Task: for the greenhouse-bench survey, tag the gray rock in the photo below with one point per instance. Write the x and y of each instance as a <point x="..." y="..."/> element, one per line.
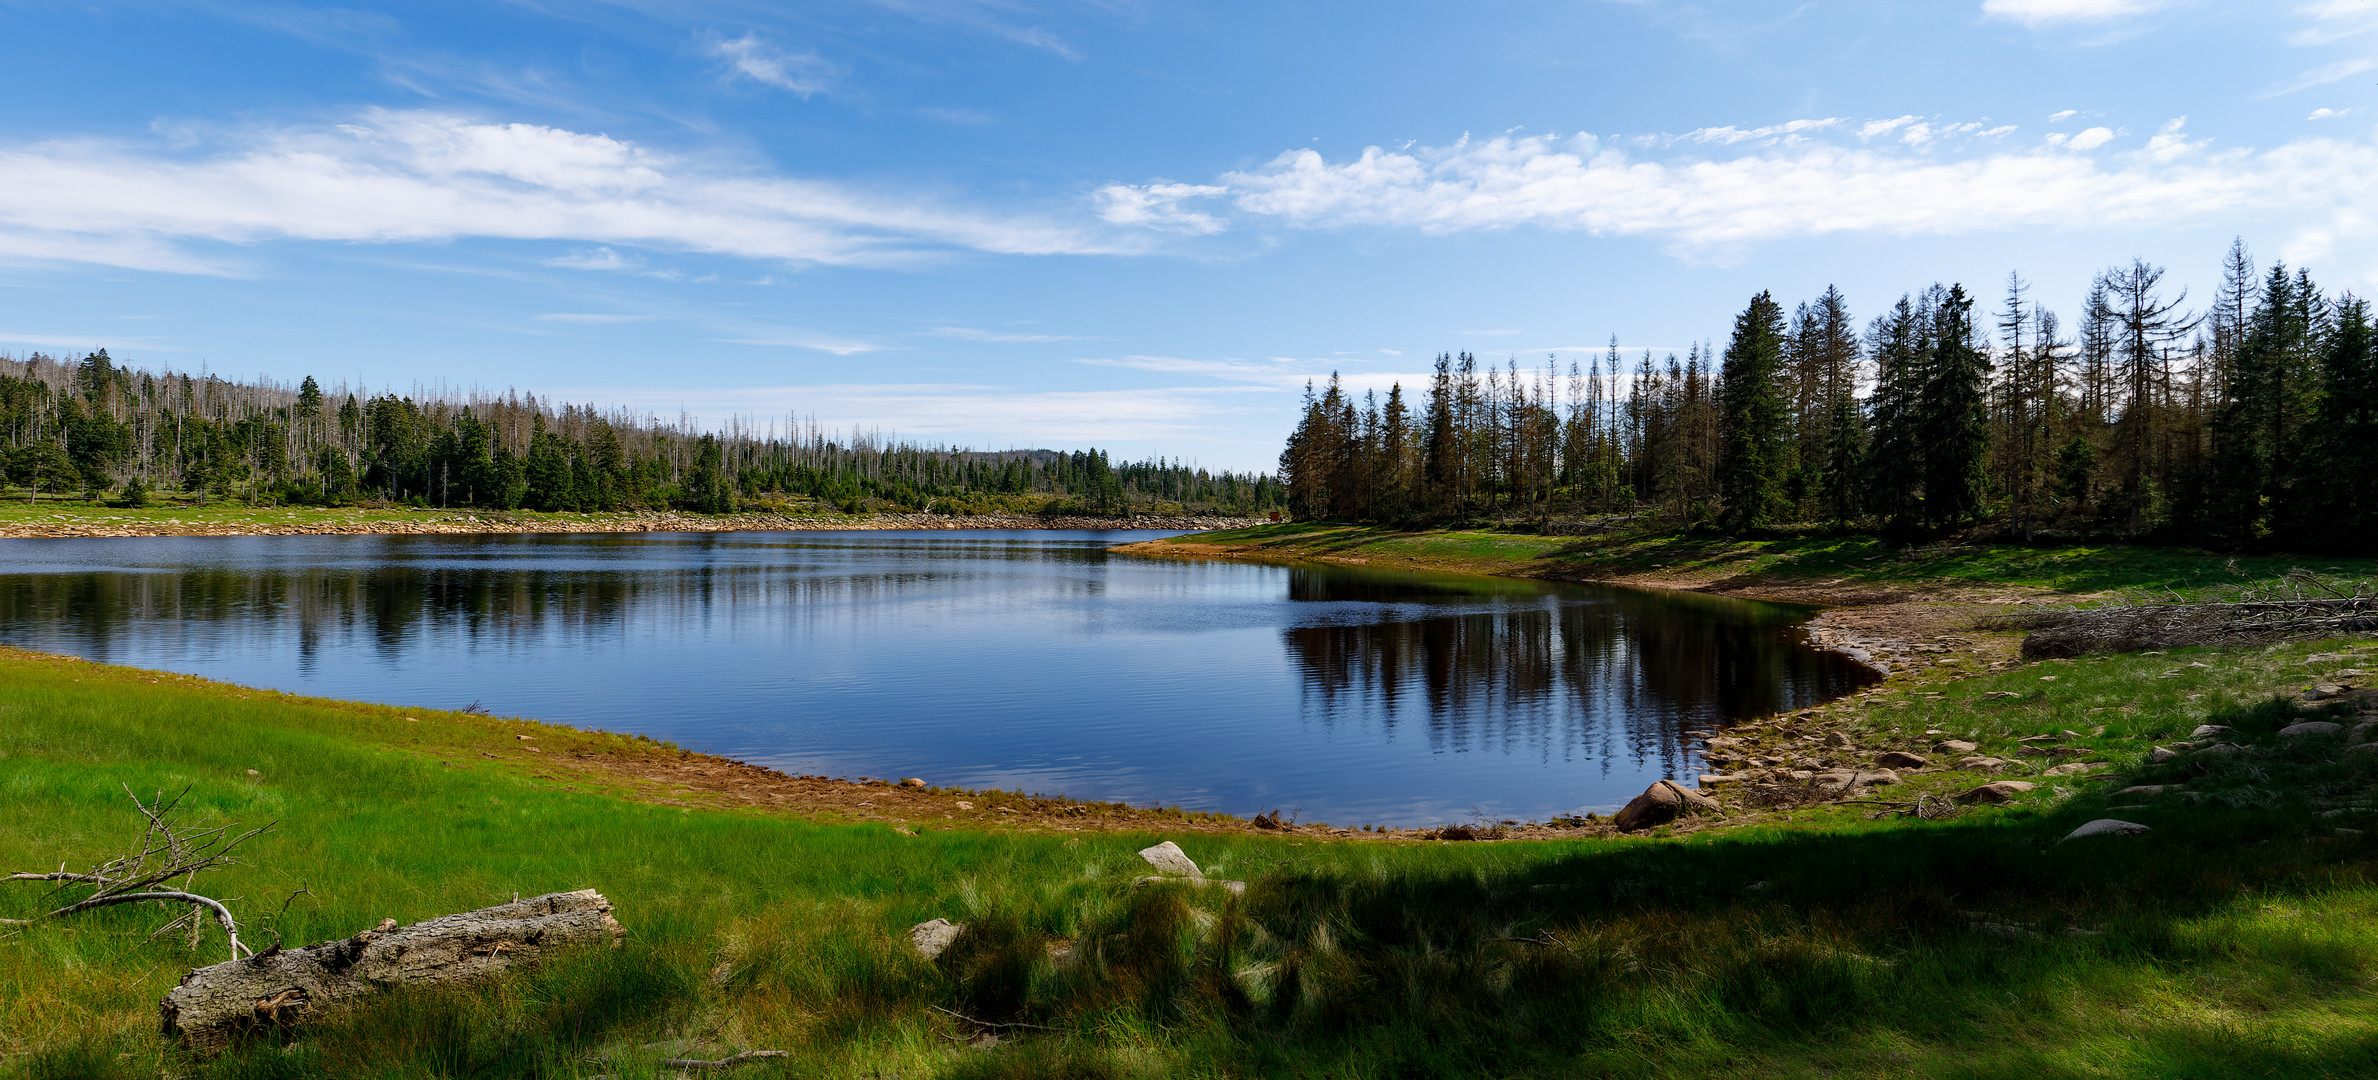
<point x="2219" y="750"/>
<point x="1986" y="763"/>
<point x="2324" y="691"/>
<point x="2160" y="755"/>
<point x="913" y="782"/>
<point x="2106" y="827"/>
<point x="1660" y="804"/>
<point x="1168" y="858"/>
<point x="2207" y="731"/>
<point x="1996" y="791"/>
<point x="933" y="936"/>
<point x="1956" y="746"/>
<point x="2311" y="728"/>
<point x="2074" y="769"/>
<point x="2363" y="732"/>
<point x="2147" y="789"/>
<point x="1898" y="760"/>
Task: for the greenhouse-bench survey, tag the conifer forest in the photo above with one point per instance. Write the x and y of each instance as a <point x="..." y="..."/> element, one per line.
<point x="2247" y="422"/>
<point x="97" y="429"/>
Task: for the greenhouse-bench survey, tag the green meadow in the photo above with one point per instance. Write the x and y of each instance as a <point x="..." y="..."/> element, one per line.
<point x="2239" y="937"/>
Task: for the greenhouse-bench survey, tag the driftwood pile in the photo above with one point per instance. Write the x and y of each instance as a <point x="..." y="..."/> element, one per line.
<point x="2092" y="631"/>
<point x="276" y="988"/>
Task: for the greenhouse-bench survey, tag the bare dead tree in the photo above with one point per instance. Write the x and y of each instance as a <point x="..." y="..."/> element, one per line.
<point x="170" y="847"/>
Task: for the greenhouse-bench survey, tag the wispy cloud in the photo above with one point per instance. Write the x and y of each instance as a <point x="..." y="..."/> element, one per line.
<point x="407" y="176"/>
<point x="979" y="415"/>
<point x="592" y="319"/>
<point x="1159" y="206"/>
<point x="797" y="339"/>
<point x="2322" y="76"/>
<point x="2040" y="12"/>
<point x="601" y="258"/>
<point x="968" y="333"/>
<point x="802" y="73"/>
<point x="1703" y="203"/>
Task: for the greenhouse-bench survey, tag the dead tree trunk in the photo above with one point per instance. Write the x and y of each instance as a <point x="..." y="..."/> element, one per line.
<point x="277" y="988"/>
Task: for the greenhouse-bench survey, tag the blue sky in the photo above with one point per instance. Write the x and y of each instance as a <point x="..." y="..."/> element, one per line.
<point x="1136" y="224"/>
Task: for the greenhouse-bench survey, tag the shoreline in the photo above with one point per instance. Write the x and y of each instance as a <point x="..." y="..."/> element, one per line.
<point x="309" y="521"/>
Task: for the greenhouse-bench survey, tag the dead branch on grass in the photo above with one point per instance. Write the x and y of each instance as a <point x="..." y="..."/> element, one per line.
<point x="169" y="847"/>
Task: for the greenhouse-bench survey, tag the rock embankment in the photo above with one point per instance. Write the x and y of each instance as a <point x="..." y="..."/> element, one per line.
<point x="465" y="523"/>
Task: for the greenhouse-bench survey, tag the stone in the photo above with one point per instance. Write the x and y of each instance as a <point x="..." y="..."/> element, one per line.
<point x="2035" y="751"/>
<point x="2219" y="750"/>
<point x="2207" y="731"/>
<point x="1996" y="791"/>
<point x="2028" y="739"/>
<point x="2363" y="732"/>
<point x="2160" y="755"/>
<point x="1899" y="760"/>
<point x="1168" y="857"/>
<point x="2311" y="729"/>
<point x="1660" y="804"/>
<point x="2075" y="769"/>
<point x="913" y="782"/>
<point x="1990" y="763"/>
<point x="1956" y="746"/>
<point x="934" y="936"/>
<point x="2149" y="790"/>
<point x="1836" y="739"/>
<point x="2368" y="749"/>
<point x="2106" y="827"/>
<point x="1714" y="779"/>
<point x="2324" y="691"/>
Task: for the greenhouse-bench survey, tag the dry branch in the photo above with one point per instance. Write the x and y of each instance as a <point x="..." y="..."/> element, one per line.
<point x="168" y="847"/>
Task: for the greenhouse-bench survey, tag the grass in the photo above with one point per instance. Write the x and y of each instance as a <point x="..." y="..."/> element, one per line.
<point x="2237" y="938"/>
<point x="2139" y="570"/>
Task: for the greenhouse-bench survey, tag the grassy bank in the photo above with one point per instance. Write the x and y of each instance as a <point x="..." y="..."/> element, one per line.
<point x="2237" y="938"/>
<point x="1845" y="562"/>
<point x="56" y="518"/>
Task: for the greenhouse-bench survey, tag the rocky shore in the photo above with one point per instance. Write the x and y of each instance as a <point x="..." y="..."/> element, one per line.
<point x="312" y="522"/>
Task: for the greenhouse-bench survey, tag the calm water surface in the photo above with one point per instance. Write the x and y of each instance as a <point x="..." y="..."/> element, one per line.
<point x="1033" y="661"/>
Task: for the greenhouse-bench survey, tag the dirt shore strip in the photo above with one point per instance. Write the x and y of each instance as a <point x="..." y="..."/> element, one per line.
<point x="466" y="523"/>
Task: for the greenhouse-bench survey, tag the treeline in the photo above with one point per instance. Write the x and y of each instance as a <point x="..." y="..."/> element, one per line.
<point x="101" y="430"/>
<point x="2251" y="423"/>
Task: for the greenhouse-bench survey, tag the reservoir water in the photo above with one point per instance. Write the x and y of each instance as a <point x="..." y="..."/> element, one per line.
<point x="1032" y="661"/>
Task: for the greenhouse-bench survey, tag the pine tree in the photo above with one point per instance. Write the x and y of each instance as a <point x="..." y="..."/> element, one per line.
<point x="1754" y="429"/>
<point x="1895" y="458"/>
<point x="2341" y="488"/>
<point x="1955" y="410"/>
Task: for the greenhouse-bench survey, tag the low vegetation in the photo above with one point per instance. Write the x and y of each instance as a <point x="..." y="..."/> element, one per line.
<point x="2235" y="938"/>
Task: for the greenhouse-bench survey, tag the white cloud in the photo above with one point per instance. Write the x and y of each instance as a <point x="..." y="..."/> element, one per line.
<point x="2063" y="115"/>
<point x="2332" y="21"/>
<point x="2322" y="76"/>
<point x="601" y="258"/>
<point x="1729" y="134"/>
<point x="1806" y="189"/>
<point x="2328" y="114"/>
<point x="2092" y="138"/>
<point x="1158" y="206"/>
<point x="2040" y="12"/>
<point x="801" y="73"/>
<point x="395" y="177"/>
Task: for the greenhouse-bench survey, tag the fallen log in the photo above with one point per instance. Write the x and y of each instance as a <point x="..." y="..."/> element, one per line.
<point x="277" y="988"/>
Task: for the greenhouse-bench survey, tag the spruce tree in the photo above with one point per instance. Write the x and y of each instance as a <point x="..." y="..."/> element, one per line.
<point x="1955" y="409"/>
<point x="1755" y="418"/>
<point x="2341" y="488"/>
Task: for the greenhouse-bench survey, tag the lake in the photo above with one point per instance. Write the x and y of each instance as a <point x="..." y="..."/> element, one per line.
<point x="1031" y="661"/>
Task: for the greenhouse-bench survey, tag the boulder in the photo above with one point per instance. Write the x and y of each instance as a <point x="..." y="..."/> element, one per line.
<point x="2149" y="790"/>
<point x="2106" y="827"/>
<point x="1168" y="858"/>
<point x="1899" y="760"/>
<point x="2074" y="769"/>
<point x="2207" y="731"/>
<point x="933" y="936"/>
<point x="1660" y="804"/>
<point x="2311" y="729"/>
<point x="1996" y="791"/>
<point x="2363" y="732"/>
<point x="1991" y="764"/>
<point x="2368" y="749"/>
<point x="1956" y="746"/>
<point x="2219" y="750"/>
<point x="2160" y="755"/>
<point x="913" y="782"/>
<point x="2324" y="691"/>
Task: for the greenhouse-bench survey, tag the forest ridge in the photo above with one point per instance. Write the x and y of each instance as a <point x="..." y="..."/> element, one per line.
<point x="2250" y="423"/>
<point x="93" y="427"/>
